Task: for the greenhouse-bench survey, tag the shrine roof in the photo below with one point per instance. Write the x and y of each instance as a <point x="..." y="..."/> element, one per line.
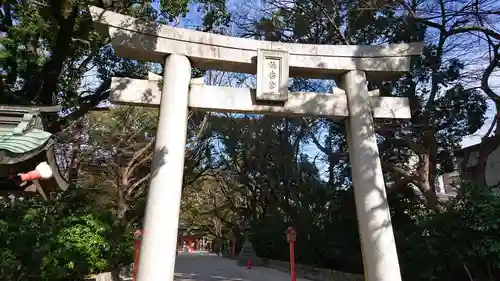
<point x="23" y="145"/>
<point x="21" y="132"/>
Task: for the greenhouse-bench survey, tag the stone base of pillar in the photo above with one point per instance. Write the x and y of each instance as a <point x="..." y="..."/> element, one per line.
<point x="248" y="253"/>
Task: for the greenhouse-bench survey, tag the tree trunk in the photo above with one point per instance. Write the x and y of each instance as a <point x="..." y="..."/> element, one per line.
<point x="423" y="184"/>
<point x="75" y="153"/>
<point x="121" y="209"/>
<point x="121" y="202"/>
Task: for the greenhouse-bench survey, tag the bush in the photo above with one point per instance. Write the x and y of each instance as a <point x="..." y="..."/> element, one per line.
<point x="462" y="243"/>
<point x="63" y="240"/>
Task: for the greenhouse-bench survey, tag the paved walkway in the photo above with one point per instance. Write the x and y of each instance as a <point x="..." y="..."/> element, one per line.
<point x="207" y="267"/>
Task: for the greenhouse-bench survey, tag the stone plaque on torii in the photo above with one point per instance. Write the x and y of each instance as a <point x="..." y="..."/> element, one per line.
<point x="273" y="62"/>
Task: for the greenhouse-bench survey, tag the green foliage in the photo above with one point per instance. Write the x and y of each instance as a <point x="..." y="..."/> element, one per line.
<point x="445" y="246"/>
<point x="57" y="240"/>
<point x="327" y="234"/>
<point x="80" y="247"/>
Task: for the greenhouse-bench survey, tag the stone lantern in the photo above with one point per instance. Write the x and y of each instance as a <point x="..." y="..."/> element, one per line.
<point x="247" y="252"/>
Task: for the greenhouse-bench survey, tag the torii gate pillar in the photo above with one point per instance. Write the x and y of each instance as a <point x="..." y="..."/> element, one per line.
<point x="380" y="258"/>
<point x="159" y="245"/>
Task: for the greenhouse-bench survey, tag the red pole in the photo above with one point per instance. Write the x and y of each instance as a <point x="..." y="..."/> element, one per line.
<point x="234" y="248"/>
<point x="136" y="259"/>
<point x="137" y="236"/>
<point x="292" y="261"/>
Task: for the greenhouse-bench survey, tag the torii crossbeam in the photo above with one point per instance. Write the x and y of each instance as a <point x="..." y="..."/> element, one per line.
<point x="273" y="62"/>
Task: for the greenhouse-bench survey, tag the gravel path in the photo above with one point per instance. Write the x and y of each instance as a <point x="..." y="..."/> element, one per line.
<point x="208" y="267"/>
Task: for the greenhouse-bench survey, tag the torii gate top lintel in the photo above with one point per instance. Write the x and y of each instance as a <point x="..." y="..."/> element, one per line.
<point x="274" y="63"/>
<point x="136" y="39"/>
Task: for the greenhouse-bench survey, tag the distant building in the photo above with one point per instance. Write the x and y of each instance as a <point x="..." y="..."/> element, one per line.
<point x="492" y="173"/>
<point x="447" y="185"/>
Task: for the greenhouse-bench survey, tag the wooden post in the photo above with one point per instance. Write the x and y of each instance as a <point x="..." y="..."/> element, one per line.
<point x="291" y="237"/>
<point x="233" y="240"/>
<point x="292" y="261"/>
<point x="234" y="248"/>
<point x="137" y="236"/>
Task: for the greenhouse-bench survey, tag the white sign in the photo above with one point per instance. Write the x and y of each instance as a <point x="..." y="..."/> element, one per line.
<point x="272" y="75"/>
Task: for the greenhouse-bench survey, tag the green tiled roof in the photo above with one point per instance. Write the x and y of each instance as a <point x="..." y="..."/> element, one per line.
<point x="19" y="144"/>
<point x="21" y="133"/>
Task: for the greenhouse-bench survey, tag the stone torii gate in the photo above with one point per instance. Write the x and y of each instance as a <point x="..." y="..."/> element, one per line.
<point x="274" y="62"/>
